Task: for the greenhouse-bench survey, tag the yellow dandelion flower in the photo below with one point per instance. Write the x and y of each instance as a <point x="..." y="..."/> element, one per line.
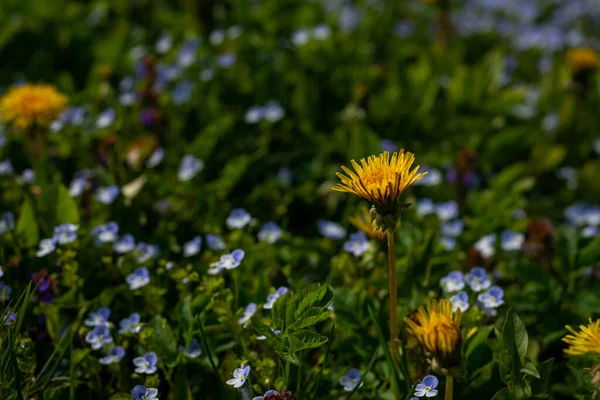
<point x="585" y="341"/>
<point x="363" y="222"/>
<point x="31" y="104"/>
<point x="583" y="60"/>
<point x="436" y="328"/>
<point x="379" y="179"/>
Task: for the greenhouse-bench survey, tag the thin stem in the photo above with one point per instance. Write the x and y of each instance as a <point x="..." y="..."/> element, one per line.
<point x="393" y="295"/>
<point x="449" y="387"/>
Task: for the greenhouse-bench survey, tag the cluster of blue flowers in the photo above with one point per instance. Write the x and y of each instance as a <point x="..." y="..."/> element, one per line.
<point x="271" y="112"/>
<point x="584" y="216"/>
<point x="477" y="279"/>
<point x="63" y="234"/>
<point x="447" y="212"/>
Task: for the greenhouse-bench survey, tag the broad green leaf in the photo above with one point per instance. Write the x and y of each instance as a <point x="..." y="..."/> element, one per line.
<point x="305" y="339"/>
<point x="163" y="337"/>
<point x="529" y="369"/>
<point x="479" y="337"/>
<point x="540" y="387"/>
<point x="27" y="227"/>
<point x="514" y="335"/>
<point x="308" y="306"/>
<point x="66" y="207"/>
<point x="502" y="394"/>
<point x="309" y="318"/>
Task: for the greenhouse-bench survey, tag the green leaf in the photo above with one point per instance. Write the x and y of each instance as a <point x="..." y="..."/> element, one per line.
<point x="502" y="394"/>
<point x="27" y="227"/>
<point x="66" y="207"/>
<point x="57" y="393"/>
<point x="163" y="337"/>
<point x="540" y="388"/>
<point x="308" y="306"/>
<point x="182" y="387"/>
<point x="309" y="318"/>
<point x="514" y="335"/>
<point x="305" y="339"/>
<point x="278" y="312"/>
<point x="478" y="338"/>
<point x="529" y="369"/>
<point x="121" y="396"/>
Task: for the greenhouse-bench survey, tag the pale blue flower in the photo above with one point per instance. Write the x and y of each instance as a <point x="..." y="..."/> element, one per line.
<point x="130" y="324"/>
<point x="6" y="168"/>
<point x="590" y="231"/>
<point x="452" y="228"/>
<point x="98" y="318"/>
<point x="301" y="36"/>
<point x="7" y="223"/>
<point x="273" y="112"/>
<point x="105" y="119"/>
<point x="155" y="158"/>
<point x="215" y="242"/>
<point x="493" y="298"/>
<point x="550" y="122"/>
<point x="453" y="282"/>
<point x="47" y="246"/>
<point x="228" y="261"/>
<point x="126" y="244"/>
<point x="107" y="194"/>
<point x="321" y="32"/>
<point x="234" y="32"/>
<point x="272" y="298"/>
<point x="263" y="337"/>
<point x="433" y="177"/>
<point x="187" y="54"/>
<point x="449" y="243"/>
<point x="238" y="218"/>
<point x="138" y="278"/>
<point x="330" y="229"/>
<point x="27" y="177"/>
<point x="254" y="115"/>
<point x="65" y="233"/>
<point x="268" y="393"/>
<point x="512" y="240"/>
<point x="404" y="28"/>
<point x="358" y="244"/>
<point x="115" y="354"/>
<point x="248" y="313"/>
<point x="140" y="392"/>
<point x="350" y="380"/>
<point x="164" y="43"/>
<point x="350" y="18"/>
<point x="477" y="279"/>
<point x="425" y="206"/>
<point x="9" y="318"/>
<point x="427" y="388"/>
<point x="580" y="214"/>
<point x="106" y="233"/>
<point x="447" y="211"/>
<point x="189" y="167"/>
<point x="77" y="186"/>
<point x="182" y="92"/>
<point x="239" y="376"/>
<point x="389" y="146"/>
<point x="145" y="252"/>
<point x="146" y="364"/>
<point x="270" y="233"/>
<point x="207" y="74"/>
<point x="98" y="337"/>
<point x="192" y="247"/>
<point x="194" y="350"/>
<point x="216" y="37"/>
<point x="5" y="292"/>
<point x="486" y="245"/>
<point x="226" y="60"/>
<point x="460" y="301"/>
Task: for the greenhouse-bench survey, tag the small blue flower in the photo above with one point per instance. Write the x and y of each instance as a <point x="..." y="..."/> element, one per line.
<point x="238" y="218"/>
<point x="47" y="246"/>
<point x="321" y="32"/>
<point x="9" y="318"/>
<point x="254" y="114"/>
<point x="107" y="194"/>
<point x="581" y="214"/>
<point x="207" y="74"/>
<point x="130" y="324"/>
<point x="192" y="247"/>
<point x="140" y="392"/>
<point x="138" y="278"/>
<point x="263" y="337"/>
<point x="145" y="252"/>
<point x="239" y="376"/>
<point x="389" y="146"/>
<point x="65" y="233"/>
<point x="301" y="36"/>
<point x="98" y="337"/>
<point x="7" y="223"/>
<point x="486" y="245"/>
<point x="215" y="242"/>
<point x="590" y="231"/>
<point x="358" y="244"/>
<point x="493" y="298"/>
<point x="453" y="282"/>
<point x="270" y="233"/>
<point x="269" y="393"/>
<point x="477" y="279"/>
<point x="105" y="118"/>
<point x="27" y="177"/>
<point x="164" y="43"/>
<point x="2" y="140"/>
<point x="182" y="92"/>
<point x="449" y="243"/>
<point x="274" y="296"/>
<point x="115" y="354"/>
<point x="433" y="177"/>
<point x="228" y="261"/>
<point x="350" y="380"/>
<point x="273" y="112"/>
<point x="425" y="206"/>
<point x="187" y="54"/>
<point x="106" y="233"/>
<point x="189" y="167"/>
<point x="427" y="388"/>
<point x="330" y="229"/>
<point x="5" y="291"/>
<point x="6" y="168"/>
<point x="77" y="186"/>
<point x="460" y="301"/>
<point x="511" y="240"/>
<point x="126" y="244"/>
<point x="99" y="317"/>
<point x="226" y="60"/>
<point x="447" y="211"/>
<point x="248" y="313"/>
<point x="453" y="228"/>
<point x="285" y="176"/>
<point x="216" y="37"/>
<point x="146" y="364"/>
<point x="194" y="350"/>
<point x="155" y="158"/>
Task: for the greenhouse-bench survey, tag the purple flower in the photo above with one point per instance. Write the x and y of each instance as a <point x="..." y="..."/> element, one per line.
<point x="65" y="233"/>
<point x="7" y="223"/>
<point x="155" y="158"/>
<point x="145" y="252"/>
<point x="512" y="240"/>
<point x="453" y="282"/>
<point x="6" y="168"/>
<point x="47" y="246"/>
<point x="477" y="279"/>
<point x="226" y="60"/>
<point x="130" y="324"/>
<point x="105" y="118"/>
<point x="460" y="301"/>
<point x="427" y="388"/>
<point x="228" y="261"/>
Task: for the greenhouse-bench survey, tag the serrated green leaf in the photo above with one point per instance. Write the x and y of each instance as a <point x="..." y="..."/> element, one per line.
<point x="309" y="318"/>
<point x="305" y="339"/>
<point x="27" y="227"/>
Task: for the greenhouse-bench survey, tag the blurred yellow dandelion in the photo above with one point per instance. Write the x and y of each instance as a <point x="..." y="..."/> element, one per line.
<point x="31" y="104"/>
<point x="363" y="222"/>
<point x="436" y="328"/>
<point x="583" y="60"/>
<point x="585" y="341"/>
<point x="380" y="179"/>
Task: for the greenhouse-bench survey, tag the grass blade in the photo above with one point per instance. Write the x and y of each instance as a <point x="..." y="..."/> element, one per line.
<point x="210" y="359"/>
<point x="13" y="361"/>
<point x="362" y="376"/>
<point x="312" y="396"/>
<point x="386" y="350"/>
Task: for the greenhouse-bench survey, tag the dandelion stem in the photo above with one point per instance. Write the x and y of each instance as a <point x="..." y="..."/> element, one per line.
<point x="449" y="387"/>
<point x="393" y="295"/>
